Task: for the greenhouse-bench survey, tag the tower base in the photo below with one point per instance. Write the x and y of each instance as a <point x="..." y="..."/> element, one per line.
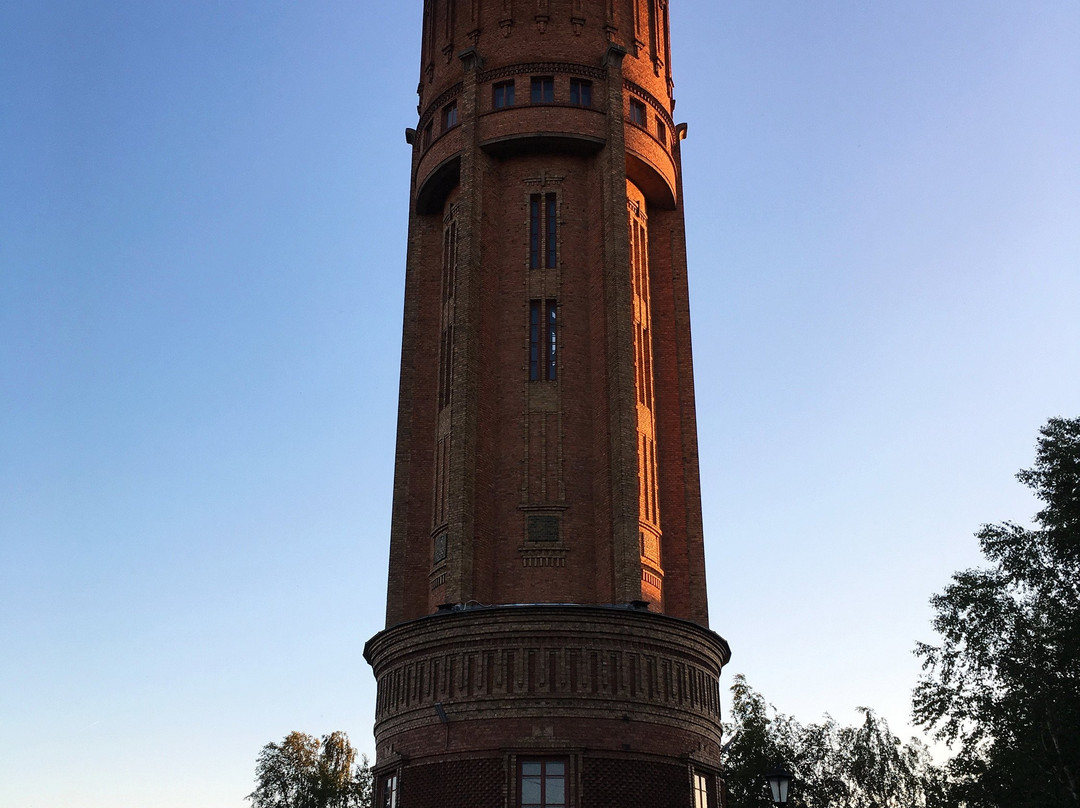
<point x="558" y="705"/>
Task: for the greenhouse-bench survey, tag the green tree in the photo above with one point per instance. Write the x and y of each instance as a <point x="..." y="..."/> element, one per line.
<point x="834" y="766"/>
<point x="307" y="772"/>
<point x="1004" y="682"/>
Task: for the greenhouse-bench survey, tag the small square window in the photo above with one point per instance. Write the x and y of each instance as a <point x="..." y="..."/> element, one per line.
<point x="581" y="92"/>
<point x="637" y="112"/>
<point x="543" y="90"/>
<point x="450" y="116"/>
<point x="502" y="95"/>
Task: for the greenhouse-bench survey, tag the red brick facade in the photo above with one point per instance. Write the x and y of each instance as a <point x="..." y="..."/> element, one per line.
<point x="546" y="447"/>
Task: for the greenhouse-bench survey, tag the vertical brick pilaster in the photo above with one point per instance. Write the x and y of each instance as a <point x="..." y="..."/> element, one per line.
<point x="620" y="345"/>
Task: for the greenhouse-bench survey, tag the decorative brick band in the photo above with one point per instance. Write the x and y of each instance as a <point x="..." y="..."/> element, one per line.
<point x="541" y="68"/>
<point x="562" y="662"/>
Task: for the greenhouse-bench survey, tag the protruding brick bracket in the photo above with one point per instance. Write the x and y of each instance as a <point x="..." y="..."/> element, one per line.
<point x="410" y="136"/>
<point x="613" y="55"/>
<point x="682" y="129"/>
<point x="471" y="60"/>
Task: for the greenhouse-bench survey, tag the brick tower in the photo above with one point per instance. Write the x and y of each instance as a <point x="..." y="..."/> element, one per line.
<point x="547" y="641"/>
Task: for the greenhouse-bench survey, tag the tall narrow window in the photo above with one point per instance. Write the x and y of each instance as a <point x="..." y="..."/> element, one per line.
<point x="637" y="112"/>
<point x="701" y="791"/>
<point x="450" y="116"/>
<point x="581" y="92"/>
<point x="543" y="340"/>
<point x="661" y="131"/>
<point x="388" y="798"/>
<point x="543" y="231"/>
<point x="543" y="89"/>
<point x="542" y="783"/>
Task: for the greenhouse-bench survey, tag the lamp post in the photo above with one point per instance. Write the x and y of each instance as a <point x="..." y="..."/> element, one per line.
<point x="779" y="783"/>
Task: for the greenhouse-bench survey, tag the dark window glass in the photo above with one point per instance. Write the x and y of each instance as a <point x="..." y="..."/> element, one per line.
<point x="543" y="231"/>
<point x="551" y="342"/>
<point x="637" y="112"/>
<point x="427" y="135"/>
<point x="502" y="95"/>
<point x="661" y="131"/>
<point x="543" y="340"/>
<point x="439" y="550"/>
<point x="543" y="89"/>
<point x="450" y="117"/>
<point x="581" y="92"/>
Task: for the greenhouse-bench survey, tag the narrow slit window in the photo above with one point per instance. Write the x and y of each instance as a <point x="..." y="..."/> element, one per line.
<point x="543" y="340"/>
<point x="543" y="231"/>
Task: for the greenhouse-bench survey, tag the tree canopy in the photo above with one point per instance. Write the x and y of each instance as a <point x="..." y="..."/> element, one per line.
<point x="834" y="766"/>
<point x="307" y="772"/>
<point x="1003" y="683"/>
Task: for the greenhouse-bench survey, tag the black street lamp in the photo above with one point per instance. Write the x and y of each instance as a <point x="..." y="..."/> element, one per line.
<point x="779" y="783"/>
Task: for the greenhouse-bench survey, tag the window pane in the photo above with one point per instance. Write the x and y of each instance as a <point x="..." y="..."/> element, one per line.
<point x="531" y="768"/>
<point x="556" y="793"/>
<point x="556" y="768"/>
<point x="530" y="791"/>
<point x="551" y="337"/>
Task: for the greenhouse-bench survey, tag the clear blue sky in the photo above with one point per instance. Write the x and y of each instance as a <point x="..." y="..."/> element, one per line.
<point x="202" y="241"/>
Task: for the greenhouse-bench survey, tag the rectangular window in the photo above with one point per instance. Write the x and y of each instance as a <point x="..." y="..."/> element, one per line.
<point x="450" y="116"/>
<point x="543" y="231"/>
<point x="543" y="90"/>
<point x="661" y="131"/>
<point x="637" y="112"/>
<point x="388" y="798"/>
<point x="543" y="340"/>
<point x="502" y="94"/>
<point x="581" y="92"/>
<point x="701" y="791"/>
<point x="542" y="783"/>
<point x="427" y="135"/>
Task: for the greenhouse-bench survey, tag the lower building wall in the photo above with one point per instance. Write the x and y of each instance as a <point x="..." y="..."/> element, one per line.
<point x="592" y="782"/>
